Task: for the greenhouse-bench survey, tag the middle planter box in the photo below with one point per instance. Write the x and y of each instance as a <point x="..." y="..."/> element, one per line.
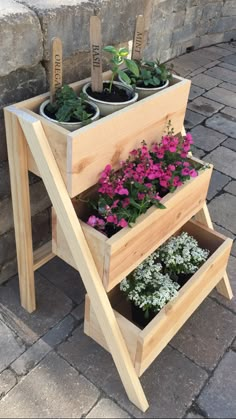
<point x="117" y="256"/>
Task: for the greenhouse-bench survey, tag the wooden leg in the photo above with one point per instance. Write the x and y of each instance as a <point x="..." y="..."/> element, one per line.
<point x="223" y="287"/>
<point x="17" y="156"/>
<point x="77" y="243"/>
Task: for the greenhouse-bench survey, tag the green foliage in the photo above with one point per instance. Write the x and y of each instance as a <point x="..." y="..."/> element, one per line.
<point x="119" y="57"/>
<point x="68" y="107"/>
<point x="151" y="74"/>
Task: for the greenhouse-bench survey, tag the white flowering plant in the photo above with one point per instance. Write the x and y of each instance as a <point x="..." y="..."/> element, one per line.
<point x="181" y="255"/>
<point x="148" y="288"/>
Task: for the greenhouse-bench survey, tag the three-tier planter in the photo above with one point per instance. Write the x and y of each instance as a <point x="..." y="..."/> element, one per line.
<point x="69" y="164"/>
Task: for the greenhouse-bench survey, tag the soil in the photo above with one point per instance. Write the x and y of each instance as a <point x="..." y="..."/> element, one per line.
<point x="117" y="94"/>
<point x="138" y="316"/>
<point x="89" y="109"/>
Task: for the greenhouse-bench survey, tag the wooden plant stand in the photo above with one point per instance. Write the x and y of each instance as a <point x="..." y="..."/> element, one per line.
<point x="69" y="163"/>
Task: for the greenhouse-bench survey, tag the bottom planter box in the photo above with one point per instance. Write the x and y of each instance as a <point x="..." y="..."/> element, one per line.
<point x="144" y="345"/>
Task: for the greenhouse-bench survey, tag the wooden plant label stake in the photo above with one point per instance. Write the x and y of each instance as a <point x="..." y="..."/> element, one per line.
<point x="55" y="67"/>
<point x="96" y="54"/>
<point x="138" y="42"/>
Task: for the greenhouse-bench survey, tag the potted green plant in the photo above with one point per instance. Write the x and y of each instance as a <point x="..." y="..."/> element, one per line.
<point x="115" y="95"/>
<point x="151" y="77"/>
<point x="69" y="110"/>
<point x="181" y="257"/>
<point x="148" y="289"/>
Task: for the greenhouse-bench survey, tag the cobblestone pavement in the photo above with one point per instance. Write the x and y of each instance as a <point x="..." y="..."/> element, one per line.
<point x="50" y="369"/>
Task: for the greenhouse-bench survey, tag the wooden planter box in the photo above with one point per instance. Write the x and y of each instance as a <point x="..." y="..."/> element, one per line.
<point x="81" y="155"/>
<point x="115" y="257"/>
<point x="144" y="345"/>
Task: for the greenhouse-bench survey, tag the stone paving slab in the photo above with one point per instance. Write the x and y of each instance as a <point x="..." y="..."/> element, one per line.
<point x="7" y="382"/>
<point x="224" y="96"/>
<point x="195" y="91"/>
<point x="218" y="397"/>
<point x="231" y="187"/>
<point x="206" y="138"/>
<point x="43" y="346"/>
<point x="106" y="408"/>
<point x="170" y="383"/>
<point x="230" y="60"/>
<point x="228" y="86"/>
<point x="223" y="74"/>
<point x="206" y="335"/>
<point x="53" y="306"/>
<point x="205" y="82"/>
<point x="193" y="415"/>
<point x="230" y="143"/>
<point x="222" y="123"/>
<point x="228" y="66"/>
<point x="227" y="233"/>
<point x="11" y="346"/>
<point x="224" y="160"/>
<point x="215" y="52"/>
<point x="222" y="210"/>
<point x="218" y="181"/>
<point x="66" y="278"/>
<point x="205" y="106"/>
<point x="52" y="390"/>
<point x="229" y="111"/>
<point x="192" y="119"/>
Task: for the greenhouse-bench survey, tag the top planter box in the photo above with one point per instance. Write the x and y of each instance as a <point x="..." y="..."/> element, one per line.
<point x="81" y="155"/>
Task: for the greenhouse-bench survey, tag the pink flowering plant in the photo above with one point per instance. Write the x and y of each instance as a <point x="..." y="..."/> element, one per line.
<point x="142" y="180"/>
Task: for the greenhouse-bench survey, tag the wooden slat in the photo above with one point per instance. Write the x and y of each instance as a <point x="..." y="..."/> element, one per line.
<point x="138" y="41"/>
<point x="223" y="287"/>
<point x="55" y="186"/>
<point x="43" y="255"/>
<point x="96" y="54"/>
<point x="129" y="331"/>
<point x="55" y="67"/>
<point x="17" y="157"/>
<point x="122" y="131"/>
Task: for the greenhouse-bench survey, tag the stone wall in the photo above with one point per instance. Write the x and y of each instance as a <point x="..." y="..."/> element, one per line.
<point x="26" y="27"/>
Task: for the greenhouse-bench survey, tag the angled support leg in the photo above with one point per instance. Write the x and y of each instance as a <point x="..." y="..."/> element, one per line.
<point x="17" y="155"/>
<point x="80" y="251"/>
<point x="223" y="287"/>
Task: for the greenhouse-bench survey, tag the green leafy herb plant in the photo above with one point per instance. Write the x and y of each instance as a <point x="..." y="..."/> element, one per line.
<point x="151" y="74"/>
<point x="119" y="57"/>
<point x="68" y="107"/>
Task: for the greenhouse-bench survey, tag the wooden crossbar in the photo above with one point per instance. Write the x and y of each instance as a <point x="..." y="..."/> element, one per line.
<point x="56" y="189"/>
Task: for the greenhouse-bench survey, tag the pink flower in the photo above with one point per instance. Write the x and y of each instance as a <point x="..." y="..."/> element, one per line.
<point x="125" y="202"/>
<point x="189" y="138"/>
<point x="193" y="173"/>
<point x="164" y="183"/>
<point x="183" y="154"/>
<point x="160" y="153"/>
<point x="115" y="203"/>
<point x="112" y="219"/>
<point x="92" y="221"/>
<point x="122" y="191"/>
<point x="141" y="196"/>
<point x="171" y="167"/>
<point x="172" y="148"/>
<point x="186" y="164"/>
<point x="157" y="197"/>
<point x="122" y="223"/>
<point x="186" y="147"/>
<point x="176" y="181"/>
<point x="185" y="172"/>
